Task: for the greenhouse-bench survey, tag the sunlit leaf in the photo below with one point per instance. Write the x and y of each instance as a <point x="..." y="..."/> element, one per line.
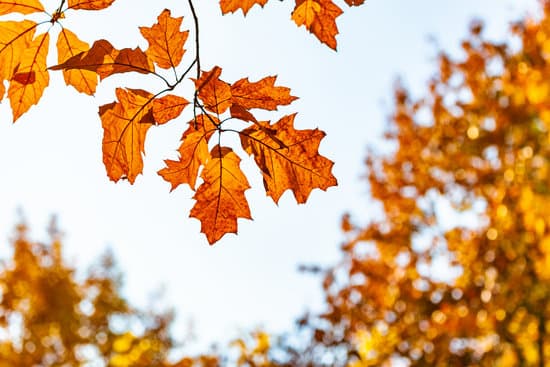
<point x="20" y="6"/>
<point x="166" y="41"/>
<point x="193" y="152"/>
<point x="261" y="94"/>
<point x="319" y="17"/>
<point x="68" y="45"/>
<point x="229" y="6"/>
<point x="103" y="59"/>
<point x="125" y="124"/>
<point x="168" y="108"/>
<point x="220" y="199"/>
<point x="90" y="4"/>
<point x="288" y="158"/>
<point x="214" y="93"/>
<point x="30" y="77"/>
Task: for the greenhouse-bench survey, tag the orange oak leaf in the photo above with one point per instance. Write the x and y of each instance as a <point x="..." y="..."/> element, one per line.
<point x="165" y="40"/>
<point x="90" y="4"/>
<point x="15" y="37"/>
<point x="319" y="17"/>
<point x="261" y="94"/>
<point x="168" y="107"/>
<point x="30" y="78"/>
<point x="220" y="199"/>
<point x="125" y="124"/>
<point x="105" y="60"/>
<point x="288" y="158"/>
<point x="213" y="92"/>
<point x="193" y="152"/>
<point x="68" y="45"/>
<point x="229" y="6"/>
<point x="20" y="6"/>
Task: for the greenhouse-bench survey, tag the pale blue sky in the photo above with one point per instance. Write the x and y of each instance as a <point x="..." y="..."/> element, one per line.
<point x="51" y="158"/>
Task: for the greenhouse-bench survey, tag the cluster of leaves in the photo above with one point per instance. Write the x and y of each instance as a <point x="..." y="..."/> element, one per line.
<point x="288" y="158"/>
<point x="48" y="317"/>
<point x="317" y="16"/>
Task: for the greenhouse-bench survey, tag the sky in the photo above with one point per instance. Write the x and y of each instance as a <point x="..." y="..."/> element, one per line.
<point x="50" y="160"/>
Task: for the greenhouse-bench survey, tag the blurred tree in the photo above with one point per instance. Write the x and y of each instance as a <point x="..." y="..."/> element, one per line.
<point x="50" y="318"/>
<point x="456" y="272"/>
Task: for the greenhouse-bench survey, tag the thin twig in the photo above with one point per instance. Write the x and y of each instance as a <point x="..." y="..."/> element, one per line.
<point x="197" y="59"/>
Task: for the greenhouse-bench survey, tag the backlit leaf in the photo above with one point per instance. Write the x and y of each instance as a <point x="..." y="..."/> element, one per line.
<point x="68" y="45"/>
<point x="168" y="107"/>
<point x="90" y="4"/>
<point x="166" y="41"/>
<point x="193" y="153"/>
<point x="105" y="60"/>
<point x="288" y="158"/>
<point x="20" y="6"/>
<point x="213" y="92"/>
<point x="229" y="6"/>
<point x="220" y="199"/>
<point x="241" y="113"/>
<point x="125" y="124"/>
<point x="30" y="78"/>
<point x="15" y="37"/>
<point x="261" y="94"/>
<point x="319" y="17"/>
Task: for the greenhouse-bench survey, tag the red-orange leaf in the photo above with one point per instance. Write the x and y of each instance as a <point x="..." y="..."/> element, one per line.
<point x="125" y="125"/>
<point x="90" y="4"/>
<point x="288" y="158"/>
<point x="105" y="60"/>
<point x="68" y="45"/>
<point x="261" y="94"/>
<point x="241" y="113"/>
<point x="168" y="107"/>
<point x="20" y="6"/>
<point x="229" y="6"/>
<point x="213" y="92"/>
<point x="220" y="198"/>
<point x="166" y="41"/>
<point x="319" y="17"/>
<point x="15" y="38"/>
<point x="31" y="77"/>
<point x="193" y="153"/>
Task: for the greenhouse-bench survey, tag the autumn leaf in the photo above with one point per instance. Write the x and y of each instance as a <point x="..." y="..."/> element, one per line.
<point x="319" y="17"/>
<point x="15" y="37"/>
<point x="193" y="152"/>
<point x="68" y="45"/>
<point x="261" y="94"/>
<point x="90" y="4"/>
<point x="288" y="158"/>
<point x="20" y="6"/>
<point x="30" y="78"/>
<point x="125" y="124"/>
<point x="241" y="113"/>
<point x="213" y="92"/>
<point x="229" y="6"/>
<point x="220" y="199"/>
<point x="103" y="59"/>
<point x="166" y="41"/>
<point x="168" y="108"/>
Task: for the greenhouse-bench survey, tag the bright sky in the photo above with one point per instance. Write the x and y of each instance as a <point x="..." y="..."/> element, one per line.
<point x="51" y="158"/>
